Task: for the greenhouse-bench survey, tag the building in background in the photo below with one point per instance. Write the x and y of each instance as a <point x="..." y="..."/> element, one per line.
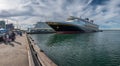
<point x="9" y="26"/>
<point x="2" y="24"/>
<point x="40" y="27"/>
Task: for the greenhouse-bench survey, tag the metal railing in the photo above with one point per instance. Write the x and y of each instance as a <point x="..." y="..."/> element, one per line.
<point x="33" y="53"/>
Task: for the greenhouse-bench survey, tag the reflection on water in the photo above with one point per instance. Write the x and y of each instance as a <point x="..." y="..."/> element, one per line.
<point x="88" y="49"/>
<point x="59" y="38"/>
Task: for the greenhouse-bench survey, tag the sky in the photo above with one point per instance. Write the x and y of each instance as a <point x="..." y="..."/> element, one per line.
<point x="25" y="13"/>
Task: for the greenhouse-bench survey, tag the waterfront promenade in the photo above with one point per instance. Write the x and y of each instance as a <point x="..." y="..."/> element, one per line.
<point x="23" y="52"/>
<point x="14" y="53"/>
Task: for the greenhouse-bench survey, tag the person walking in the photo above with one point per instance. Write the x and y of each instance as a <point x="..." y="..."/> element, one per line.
<point x="6" y="38"/>
<point x="13" y="36"/>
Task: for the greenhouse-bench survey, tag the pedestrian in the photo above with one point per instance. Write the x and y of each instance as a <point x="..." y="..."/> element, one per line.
<point x="20" y="33"/>
<point x="13" y="36"/>
<point x="6" y="37"/>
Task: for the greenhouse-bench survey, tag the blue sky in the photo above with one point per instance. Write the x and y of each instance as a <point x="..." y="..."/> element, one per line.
<point x="105" y="13"/>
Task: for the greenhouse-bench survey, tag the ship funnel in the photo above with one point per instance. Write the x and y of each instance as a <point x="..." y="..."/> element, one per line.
<point x="87" y="19"/>
<point x="91" y="21"/>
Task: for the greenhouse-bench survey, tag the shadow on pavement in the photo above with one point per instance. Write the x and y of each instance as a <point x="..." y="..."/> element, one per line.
<point x="11" y="44"/>
<point x="17" y="42"/>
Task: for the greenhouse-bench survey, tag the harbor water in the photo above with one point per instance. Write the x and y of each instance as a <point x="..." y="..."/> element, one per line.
<point x="85" y="49"/>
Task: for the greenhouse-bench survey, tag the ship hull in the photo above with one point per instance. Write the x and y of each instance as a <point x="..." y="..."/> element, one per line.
<point x="62" y="27"/>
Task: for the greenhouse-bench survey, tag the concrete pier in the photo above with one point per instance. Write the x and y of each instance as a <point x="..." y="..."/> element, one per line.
<point x="14" y="53"/>
<point x="23" y="52"/>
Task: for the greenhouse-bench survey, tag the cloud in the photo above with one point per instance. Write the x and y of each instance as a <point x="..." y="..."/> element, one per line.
<point x="107" y="13"/>
<point x="31" y="11"/>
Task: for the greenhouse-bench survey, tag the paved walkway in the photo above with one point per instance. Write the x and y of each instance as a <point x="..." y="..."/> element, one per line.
<point x="14" y="53"/>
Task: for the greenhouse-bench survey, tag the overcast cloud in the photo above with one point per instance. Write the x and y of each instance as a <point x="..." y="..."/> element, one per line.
<point x="106" y="13"/>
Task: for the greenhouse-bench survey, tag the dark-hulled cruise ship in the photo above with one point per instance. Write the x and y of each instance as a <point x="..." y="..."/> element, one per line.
<point x="74" y="25"/>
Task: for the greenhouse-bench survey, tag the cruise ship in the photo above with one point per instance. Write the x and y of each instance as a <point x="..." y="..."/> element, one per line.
<point x="74" y="25"/>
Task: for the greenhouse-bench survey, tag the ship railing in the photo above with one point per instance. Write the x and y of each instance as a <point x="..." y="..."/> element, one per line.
<point x="88" y="22"/>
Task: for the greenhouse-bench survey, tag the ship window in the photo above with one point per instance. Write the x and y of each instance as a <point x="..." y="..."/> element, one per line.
<point x="82" y="23"/>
